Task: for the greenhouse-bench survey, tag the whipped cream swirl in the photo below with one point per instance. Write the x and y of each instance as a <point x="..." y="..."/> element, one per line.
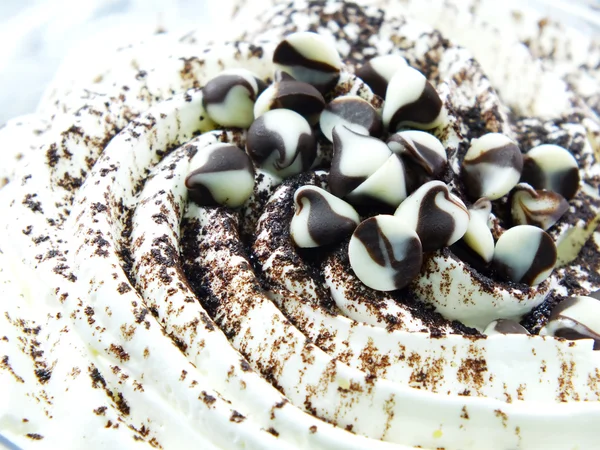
<point x="134" y="317"/>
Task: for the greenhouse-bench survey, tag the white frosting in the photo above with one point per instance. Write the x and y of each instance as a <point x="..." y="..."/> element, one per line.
<point x="384" y="382"/>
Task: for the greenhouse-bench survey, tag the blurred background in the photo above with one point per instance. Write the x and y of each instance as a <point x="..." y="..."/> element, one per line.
<point x="35" y="35"/>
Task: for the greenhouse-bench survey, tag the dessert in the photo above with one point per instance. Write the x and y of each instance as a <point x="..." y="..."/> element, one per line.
<point x="135" y="313"/>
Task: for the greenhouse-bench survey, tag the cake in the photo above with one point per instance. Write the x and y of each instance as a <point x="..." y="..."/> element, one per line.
<point x="333" y="232"/>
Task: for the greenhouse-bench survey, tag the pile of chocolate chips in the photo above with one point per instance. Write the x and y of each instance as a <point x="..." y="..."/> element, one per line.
<point x="382" y="157"/>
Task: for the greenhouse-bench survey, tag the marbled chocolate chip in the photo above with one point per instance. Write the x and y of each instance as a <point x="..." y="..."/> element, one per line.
<point x="423" y="154"/>
<point x="223" y="175"/>
<point x="505" y="326"/>
<point x="297" y="96"/>
<point x="386" y="186"/>
<point x="478" y="237"/>
<point x="411" y="100"/>
<point x="385" y="253"/>
<point x="439" y="217"/>
<point x="309" y="57"/>
<point x="321" y="218"/>
<point x="355" y="158"/>
<point x="594" y="294"/>
<point x="229" y="97"/>
<point x="282" y="143"/>
<point x="492" y="166"/>
<point x="575" y="318"/>
<point x="378" y="72"/>
<point x="525" y="254"/>
<point x="552" y="168"/>
<point x="353" y="112"/>
<point x="539" y="208"/>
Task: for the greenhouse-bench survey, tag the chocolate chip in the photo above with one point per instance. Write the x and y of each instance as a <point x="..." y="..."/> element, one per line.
<point x="423" y="155"/>
<point x="525" y="254"/>
<point x="492" y="166"/>
<point x="478" y="237"/>
<point x="439" y="217"/>
<point x="378" y="72"/>
<point x="386" y="186"/>
<point x="321" y="218"/>
<point x="552" y="168"/>
<point x="364" y="169"/>
<point x="385" y="253"/>
<point x="575" y="318"/>
<point x="282" y="143"/>
<point x="309" y="57"/>
<point x="504" y="326"/>
<point x="229" y="97"/>
<point x="353" y="112"/>
<point x="224" y="175"/>
<point x="297" y="96"/>
<point x="411" y="100"/>
<point x="539" y="208"/>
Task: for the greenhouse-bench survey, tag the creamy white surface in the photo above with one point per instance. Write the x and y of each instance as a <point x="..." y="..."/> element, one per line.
<point x="173" y="408"/>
